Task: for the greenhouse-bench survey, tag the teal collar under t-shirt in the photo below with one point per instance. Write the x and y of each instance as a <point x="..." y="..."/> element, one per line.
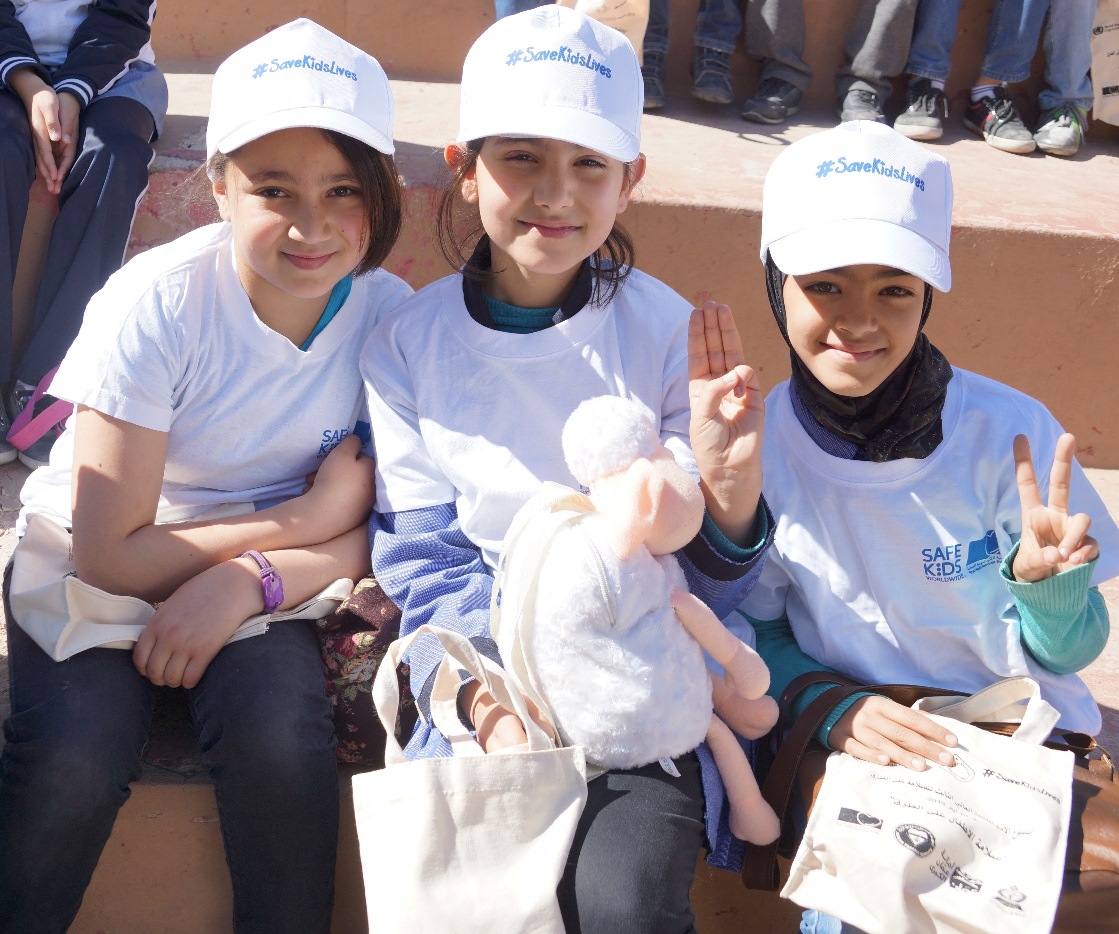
<point x="513" y="319"/>
<point x="338" y="296"/>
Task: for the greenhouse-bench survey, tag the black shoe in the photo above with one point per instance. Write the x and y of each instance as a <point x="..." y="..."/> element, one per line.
<point x="861" y="104"/>
<point x="711" y="76"/>
<point x="775" y="100"/>
<point x="652" y="73"/>
<point x="997" y="121"/>
<point x="928" y="109"/>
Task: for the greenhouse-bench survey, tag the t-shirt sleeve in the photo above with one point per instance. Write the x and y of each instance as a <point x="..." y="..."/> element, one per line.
<point x="407" y="477"/>
<point x="126" y="359"/>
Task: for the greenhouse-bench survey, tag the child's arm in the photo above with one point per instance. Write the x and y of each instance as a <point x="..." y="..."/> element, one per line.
<point x="191" y="627"/>
<point x="866" y="726"/>
<point x="118" y="474"/>
<point x="105" y="43"/>
<point x="727" y="415"/>
<point x="1063" y="620"/>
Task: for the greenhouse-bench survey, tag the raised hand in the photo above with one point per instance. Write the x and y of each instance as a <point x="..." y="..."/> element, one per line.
<point x="1052" y="540"/>
<point x="727" y="417"/>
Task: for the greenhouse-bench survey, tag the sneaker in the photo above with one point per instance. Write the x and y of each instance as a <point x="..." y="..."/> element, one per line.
<point x="861" y="104"/>
<point x="773" y="101"/>
<point x="652" y="74"/>
<point x="38" y="454"/>
<point x="1062" y="130"/>
<point x="8" y="450"/>
<point x="711" y="76"/>
<point x="927" y="109"/>
<point x="997" y="121"/>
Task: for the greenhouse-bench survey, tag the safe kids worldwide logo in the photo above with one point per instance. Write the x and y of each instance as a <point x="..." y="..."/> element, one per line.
<point x="841" y="166"/>
<point x="308" y="62"/>
<point x="954" y="562"/>
<point x="563" y="54"/>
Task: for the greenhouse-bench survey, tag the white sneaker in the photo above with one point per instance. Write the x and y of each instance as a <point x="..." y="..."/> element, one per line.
<point x="1062" y="130"/>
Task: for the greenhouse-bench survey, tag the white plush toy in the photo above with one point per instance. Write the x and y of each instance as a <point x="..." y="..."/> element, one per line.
<point x="595" y="617"/>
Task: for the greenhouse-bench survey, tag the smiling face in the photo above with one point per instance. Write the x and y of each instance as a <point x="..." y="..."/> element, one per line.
<point x="546" y="205"/>
<point x="299" y="223"/>
<point x="853" y="326"/>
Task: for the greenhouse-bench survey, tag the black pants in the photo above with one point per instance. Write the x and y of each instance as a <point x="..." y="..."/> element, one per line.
<point x="96" y="207"/>
<point x="633" y="859"/>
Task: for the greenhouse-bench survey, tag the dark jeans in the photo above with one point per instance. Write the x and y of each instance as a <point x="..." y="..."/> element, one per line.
<point x="633" y="859"/>
<point x="96" y="206"/>
<point x="73" y="746"/>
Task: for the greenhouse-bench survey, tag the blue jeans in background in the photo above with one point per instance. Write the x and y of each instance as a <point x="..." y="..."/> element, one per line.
<point x="717" y="25"/>
<point x="73" y="746"/>
<point x="1013" y="33"/>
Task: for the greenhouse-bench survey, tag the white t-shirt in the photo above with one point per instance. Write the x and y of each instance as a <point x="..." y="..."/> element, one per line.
<point x="171" y="343"/>
<point x="465" y="414"/>
<point x="889" y="572"/>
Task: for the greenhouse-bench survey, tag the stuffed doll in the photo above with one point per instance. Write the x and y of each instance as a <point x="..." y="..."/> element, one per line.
<point x="606" y="634"/>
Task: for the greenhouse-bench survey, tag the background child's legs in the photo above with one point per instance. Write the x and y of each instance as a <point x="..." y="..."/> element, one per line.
<point x="876" y="47"/>
<point x="265" y="726"/>
<point x="934" y="34"/>
<point x="775" y="34"/>
<point x="1068" y="54"/>
<point x="633" y="859"/>
<point x="96" y="208"/>
<point x="17" y="172"/>
<point x="1012" y="37"/>
<point x="717" y="24"/>
<point x="73" y="745"/>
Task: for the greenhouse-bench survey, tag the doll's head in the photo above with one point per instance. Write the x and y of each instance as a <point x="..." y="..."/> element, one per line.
<point x="546" y="158"/>
<point x="855" y="228"/>
<point x="612" y="447"/>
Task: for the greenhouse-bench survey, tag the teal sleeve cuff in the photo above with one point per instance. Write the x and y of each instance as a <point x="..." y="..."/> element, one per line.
<point x="1064" y="620"/>
<point x="728" y="549"/>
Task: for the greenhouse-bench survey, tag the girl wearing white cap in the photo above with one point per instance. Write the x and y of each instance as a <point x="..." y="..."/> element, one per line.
<point x="471" y="381"/>
<point x="905" y="552"/>
<point x="212" y="376"/>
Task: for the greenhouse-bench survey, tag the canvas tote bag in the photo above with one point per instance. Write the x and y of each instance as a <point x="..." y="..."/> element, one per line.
<point x="1105" y="62"/>
<point x="65" y="615"/>
<point x="474" y="843"/>
<point x="974" y="849"/>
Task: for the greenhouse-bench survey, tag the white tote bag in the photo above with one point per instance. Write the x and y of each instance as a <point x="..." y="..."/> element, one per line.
<point x="975" y="849"/>
<point x="1105" y="62"/>
<point x="475" y="843"/>
<point x="65" y="615"/>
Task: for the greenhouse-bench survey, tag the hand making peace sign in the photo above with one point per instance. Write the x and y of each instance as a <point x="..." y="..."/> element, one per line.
<point x="1052" y="540"/>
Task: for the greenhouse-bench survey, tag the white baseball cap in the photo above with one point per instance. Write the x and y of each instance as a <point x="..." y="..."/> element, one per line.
<point x="299" y="75"/>
<point x="557" y="74"/>
<point x="859" y="193"/>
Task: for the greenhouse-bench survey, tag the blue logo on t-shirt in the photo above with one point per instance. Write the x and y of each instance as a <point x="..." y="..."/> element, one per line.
<point x="945" y="563"/>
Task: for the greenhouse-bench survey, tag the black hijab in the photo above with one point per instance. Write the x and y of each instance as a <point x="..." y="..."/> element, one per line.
<point x="900" y="418"/>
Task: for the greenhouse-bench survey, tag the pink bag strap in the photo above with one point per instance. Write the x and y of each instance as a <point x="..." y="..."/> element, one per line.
<point x="27" y="428"/>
